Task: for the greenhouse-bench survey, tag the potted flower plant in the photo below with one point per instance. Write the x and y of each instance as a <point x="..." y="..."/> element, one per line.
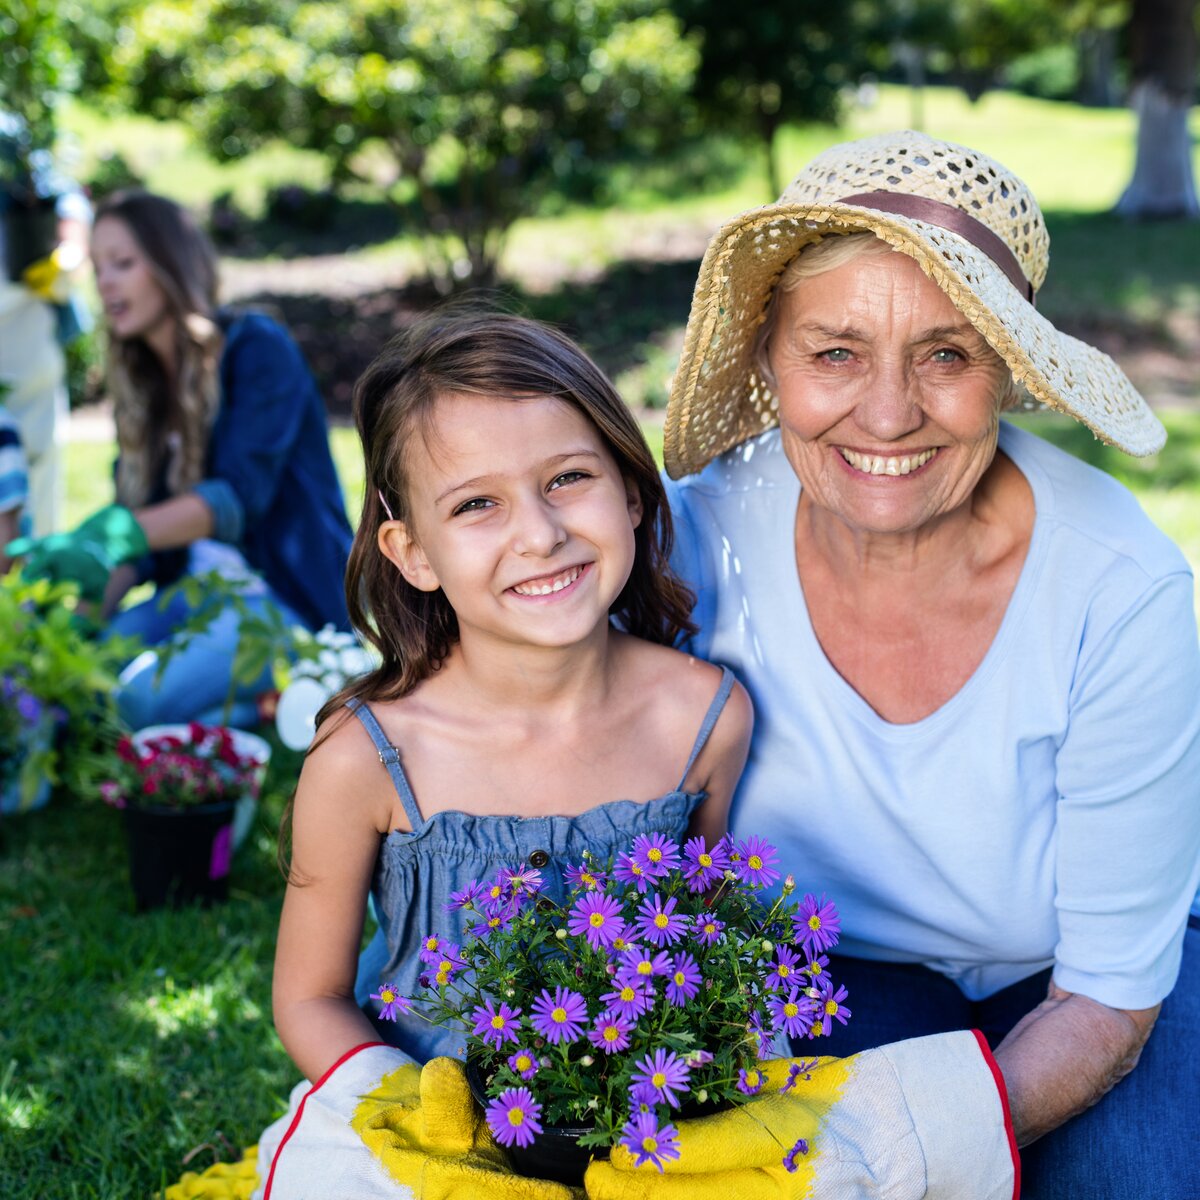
<point x="57" y="716"/>
<point x="180" y="787"/>
<point x="655" y="986"/>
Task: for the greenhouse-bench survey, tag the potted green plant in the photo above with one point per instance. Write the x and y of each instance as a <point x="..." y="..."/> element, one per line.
<point x="181" y="788"/>
<point x="57" y="715"/>
<point x="655" y="987"/>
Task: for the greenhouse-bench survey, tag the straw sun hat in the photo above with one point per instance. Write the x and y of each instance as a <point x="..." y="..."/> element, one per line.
<point x="976" y="231"/>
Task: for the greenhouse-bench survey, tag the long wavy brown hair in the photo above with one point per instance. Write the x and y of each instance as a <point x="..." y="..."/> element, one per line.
<point x="463" y="349"/>
<point x="163" y="426"/>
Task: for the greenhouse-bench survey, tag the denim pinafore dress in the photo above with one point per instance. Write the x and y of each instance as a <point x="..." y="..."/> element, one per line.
<point x="417" y="871"/>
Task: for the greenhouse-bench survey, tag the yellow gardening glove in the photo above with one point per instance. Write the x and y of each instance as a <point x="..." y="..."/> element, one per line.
<point x="425" y="1128"/>
<point x="50" y="278"/>
<point x="222" y="1181"/>
<point x="918" y="1119"/>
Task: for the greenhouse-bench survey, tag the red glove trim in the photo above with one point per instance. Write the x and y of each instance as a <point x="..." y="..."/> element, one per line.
<point x="300" y="1109"/>
<point x="988" y="1058"/>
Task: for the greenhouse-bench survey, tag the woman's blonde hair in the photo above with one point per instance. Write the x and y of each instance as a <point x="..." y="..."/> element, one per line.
<point x="163" y="427"/>
<point x="828" y="254"/>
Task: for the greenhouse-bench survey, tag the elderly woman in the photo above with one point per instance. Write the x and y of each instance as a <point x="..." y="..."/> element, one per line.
<point x="976" y="650"/>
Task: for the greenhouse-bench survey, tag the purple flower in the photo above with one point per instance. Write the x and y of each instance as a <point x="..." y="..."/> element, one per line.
<point x="830" y="1006"/>
<point x="816" y="966"/>
<point x="750" y="1082"/>
<point x="430" y="947"/>
<point x="586" y="877"/>
<point x="497" y="919"/>
<point x="709" y="930"/>
<point x="755" y="861"/>
<point x="627" y="870"/>
<point x="656" y="854"/>
<point x="596" y="916"/>
<point x="392" y="1004"/>
<point x="444" y="965"/>
<point x="666" y="1073"/>
<point x="792" y="1013"/>
<point x="496" y="1025"/>
<point x="659" y="923"/>
<point x="794" y="1072"/>
<point x="817" y="925"/>
<point x="785" y="969"/>
<point x="495" y="895"/>
<point x="611" y="1032"/>
<point x="631" y="997"/>
<point x="648" y="1142"/>
<point x="467" y="897"/>
<point x="756" y="1035"/>
<point x="704" y="867"/>
<point x="513" y="1117"/>
<point x="789" y="1159"/>
<point x="685" y="980"/>
<point x="645" y="963"/>
<point x="559" y="1017"/>
<point x="524" y="1063"/>
<point x="523" y="879"/>
<point x="698" y="1058"/>
<point x="29" y="707"/>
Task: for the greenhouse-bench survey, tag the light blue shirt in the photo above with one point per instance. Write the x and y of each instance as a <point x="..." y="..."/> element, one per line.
<point x="1048" y="813"/>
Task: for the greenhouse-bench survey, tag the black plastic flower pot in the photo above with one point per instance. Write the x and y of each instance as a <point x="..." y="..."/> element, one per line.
<point x="554" y="1154"/>
<point x="179" y="856"/>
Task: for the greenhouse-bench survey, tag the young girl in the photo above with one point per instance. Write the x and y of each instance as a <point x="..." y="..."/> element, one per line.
<point x="511" y="569"/>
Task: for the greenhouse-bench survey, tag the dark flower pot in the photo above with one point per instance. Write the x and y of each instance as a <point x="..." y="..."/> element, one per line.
<point x="555" y="1153"/>
<point x="180" y="856"/>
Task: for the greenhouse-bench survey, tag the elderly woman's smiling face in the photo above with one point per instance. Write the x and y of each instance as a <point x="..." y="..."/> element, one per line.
<point x="889" y="400"/>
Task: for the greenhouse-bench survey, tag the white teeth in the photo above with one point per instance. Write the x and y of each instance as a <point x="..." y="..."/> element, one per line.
<point x="554" y="585"/>
<point x="878" y="465"/>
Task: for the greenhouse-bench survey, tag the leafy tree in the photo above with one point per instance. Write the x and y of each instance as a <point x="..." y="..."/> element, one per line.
<point x="770" y="62"/>
<point x="1163" y="52"/>
<point x="466" y="111"/>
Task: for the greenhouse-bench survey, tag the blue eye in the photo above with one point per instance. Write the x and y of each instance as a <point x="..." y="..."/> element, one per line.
<point x="839" y="354"/>
<point x="946" y="355"/>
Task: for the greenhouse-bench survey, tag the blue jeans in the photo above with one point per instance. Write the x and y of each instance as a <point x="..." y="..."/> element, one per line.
<point x="1138" y="1143"/>
<point x="196" y="681"/>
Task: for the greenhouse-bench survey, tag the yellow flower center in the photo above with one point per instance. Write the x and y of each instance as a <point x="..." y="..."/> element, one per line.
<point x="634" y="869"/>
<point x="494" y="923"/>
<point x="680" y="978"/>
<point x="498" y="1022"/>
<point x="442" y="978"/>
<point x="524" y="1062"/>
<point x="709" y="927"/>
<point x="596" y="920"/>
<point x="587" y="880"/>
<point x="752" y="1078"/>
<point x="815" y="968"/>
<point x="791" y="1010"/>
<point x="387" y="995"/>
<point x="558" y="1016"/>
<point x="445" y="965"/>
<point x="705" y="860"/>
<point x="654" y="854"/>
<point x="831" y="1007"/>
<point x="627" y="993"/>
<point x="784" y="970"/>
<point x="431" y="944"/>
<point x="662" y="921"/>
<point x="645" y="968"/>
<point x="649" y="1144"/>
<point x="814" y="922"/>
<point x="516" y="1116"/>
<point x="658" y="1079"/>
<point x="611" y="1033"/>
<point x="755" y="863"/>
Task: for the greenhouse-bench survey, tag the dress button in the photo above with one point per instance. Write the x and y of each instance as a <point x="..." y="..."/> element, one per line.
<point x="539" y="858"/>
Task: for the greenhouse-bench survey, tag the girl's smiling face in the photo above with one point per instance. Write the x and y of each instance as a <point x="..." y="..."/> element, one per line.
<point x="519" y="513"/>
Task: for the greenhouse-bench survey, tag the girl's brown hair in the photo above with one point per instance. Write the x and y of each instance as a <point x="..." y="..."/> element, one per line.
<point x="483" y="352"/>
<point x="160" y="425"/>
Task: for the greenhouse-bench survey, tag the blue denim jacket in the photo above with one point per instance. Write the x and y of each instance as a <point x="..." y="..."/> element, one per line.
<point x="271" y="482"/>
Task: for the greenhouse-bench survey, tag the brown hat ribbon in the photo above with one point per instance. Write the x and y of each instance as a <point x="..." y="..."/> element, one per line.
<point x="946" y="216"/>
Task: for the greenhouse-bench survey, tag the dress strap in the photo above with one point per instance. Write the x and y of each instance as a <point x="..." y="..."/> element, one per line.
<point x="390" y="757"/>
<point x="709" y="722"/>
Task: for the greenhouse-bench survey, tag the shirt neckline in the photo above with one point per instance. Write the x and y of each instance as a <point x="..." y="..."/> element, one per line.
<point x="1011" y="442"/>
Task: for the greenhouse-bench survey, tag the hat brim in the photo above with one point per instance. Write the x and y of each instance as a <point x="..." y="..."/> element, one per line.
<point x="719" y="400"/>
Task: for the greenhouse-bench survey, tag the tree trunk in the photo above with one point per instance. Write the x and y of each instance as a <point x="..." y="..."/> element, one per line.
<point x="1163" y="51"/>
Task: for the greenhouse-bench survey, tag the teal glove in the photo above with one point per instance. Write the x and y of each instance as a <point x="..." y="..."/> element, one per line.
<point x="86" y="555"/>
